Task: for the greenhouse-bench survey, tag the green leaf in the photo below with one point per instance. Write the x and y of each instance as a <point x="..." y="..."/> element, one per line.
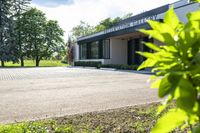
<point x="196" y="60"/>
<point x="162" y="30"/>
<point x="152" y="46"/>
<point x="156" y="84"/>
<point x="171" y="18"/>
<point x="187" y="37"/>
<point x="146" y="64"/>
<point x="170" y="121"/>
<point x="195" y="1"/>
<point x="146" y="54"/>
<point x="161" y="108"/>
<point x="153" y="33"/>
<point x="170" y="48"/>
<point x="194" y="15"/>
<point x="185" y="95"/>
<point x="196" y="129"/>
<point x="168" y="84"/>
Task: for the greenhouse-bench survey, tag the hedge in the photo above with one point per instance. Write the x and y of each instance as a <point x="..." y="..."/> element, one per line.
<point x="98" y="64"/>
<point x="121" y="67"/>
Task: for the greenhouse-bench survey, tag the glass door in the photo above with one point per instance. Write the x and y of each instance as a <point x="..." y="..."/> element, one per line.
<point x="135" y="45"/>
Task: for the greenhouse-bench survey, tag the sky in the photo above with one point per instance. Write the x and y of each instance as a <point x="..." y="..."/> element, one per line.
<point x="69" y="13"/>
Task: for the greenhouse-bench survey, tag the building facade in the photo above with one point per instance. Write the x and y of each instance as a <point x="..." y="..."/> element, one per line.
<point x="118" y="45"/>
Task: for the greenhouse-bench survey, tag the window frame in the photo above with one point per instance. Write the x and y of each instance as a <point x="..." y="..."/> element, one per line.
<point x="103" y="47"/>
<point x="103" y="56"/>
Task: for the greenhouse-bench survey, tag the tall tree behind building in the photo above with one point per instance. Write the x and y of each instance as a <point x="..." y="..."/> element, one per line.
<point x="84" y="29"/>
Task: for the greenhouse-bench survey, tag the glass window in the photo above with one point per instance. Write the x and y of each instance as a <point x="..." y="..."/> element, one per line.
<point x="83" y="51"/>
<point x="95" y="50"/>
<point x="106" y="49"/>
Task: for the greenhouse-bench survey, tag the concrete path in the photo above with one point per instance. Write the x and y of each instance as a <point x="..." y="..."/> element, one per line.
<point x="37" y="93"/>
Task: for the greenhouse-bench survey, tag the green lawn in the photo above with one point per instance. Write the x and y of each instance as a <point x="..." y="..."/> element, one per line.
<point x="43" y="63"/>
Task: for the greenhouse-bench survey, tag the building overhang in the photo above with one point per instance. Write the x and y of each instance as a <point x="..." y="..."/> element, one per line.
<point x="127" y="26"/>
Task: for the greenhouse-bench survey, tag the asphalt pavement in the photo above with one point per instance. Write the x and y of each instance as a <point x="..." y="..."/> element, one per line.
<point x="39" y="93"/>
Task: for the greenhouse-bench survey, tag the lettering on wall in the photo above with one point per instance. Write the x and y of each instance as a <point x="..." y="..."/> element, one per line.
<point x="131" y="24"/>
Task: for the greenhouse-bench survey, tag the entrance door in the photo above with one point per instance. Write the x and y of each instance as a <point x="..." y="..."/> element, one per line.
<point x="137" y="57"/>
<point x="134" y="46"/>
<point x="131" y="51"/>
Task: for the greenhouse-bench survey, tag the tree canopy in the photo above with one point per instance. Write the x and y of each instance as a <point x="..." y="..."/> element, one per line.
<point x="84" y="28"/>
<point x="43" y="37"/>
<point x="25" y="32"/>
<point x="5" y="30"/>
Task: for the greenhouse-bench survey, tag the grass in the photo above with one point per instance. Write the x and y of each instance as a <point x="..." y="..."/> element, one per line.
<point x="124" y="120"/>
<point x="31" y="63"/>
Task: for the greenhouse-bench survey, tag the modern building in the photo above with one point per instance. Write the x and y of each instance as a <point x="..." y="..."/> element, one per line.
<point x="118" y="45"/>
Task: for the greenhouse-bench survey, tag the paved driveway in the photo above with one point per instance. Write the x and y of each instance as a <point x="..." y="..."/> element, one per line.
<point x="37" y="93"/>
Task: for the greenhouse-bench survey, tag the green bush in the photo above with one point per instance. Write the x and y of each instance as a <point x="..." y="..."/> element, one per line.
<point x="96" y="64"/>
<point x="64" y="62"/>
<point x="177" y="67"/>
<point x="120" y="67"/>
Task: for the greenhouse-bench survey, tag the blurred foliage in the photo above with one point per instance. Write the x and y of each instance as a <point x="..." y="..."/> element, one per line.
<point x="177" y="67"/>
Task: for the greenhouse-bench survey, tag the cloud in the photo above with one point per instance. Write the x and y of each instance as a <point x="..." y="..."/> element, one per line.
<point x="52" y="3"/>
<point x="93" y="11"/>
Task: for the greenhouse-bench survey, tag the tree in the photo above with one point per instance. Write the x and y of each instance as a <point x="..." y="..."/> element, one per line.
<point x="10" y="12"/>
<point x="177" y="64"/>
<point x="82" y="29"/>
<point x="128" y="15"/>
<point x="20" y="6"/>
<point x="5" y="27"/>
<point x="42" y="38"/>
<point x="54" y="42"/>
<point x="107" y="23"/>
<point x="70" y="51"/>
<point x="34" y="22"/>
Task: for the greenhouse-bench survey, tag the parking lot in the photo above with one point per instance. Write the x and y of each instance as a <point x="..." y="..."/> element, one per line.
<point x="38" y="93"/>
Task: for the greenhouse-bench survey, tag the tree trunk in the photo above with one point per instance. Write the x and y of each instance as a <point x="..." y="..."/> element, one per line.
<point x="37" y="63"/>
<point x="22" y="61"/>
<point x="2" y="63"/>
<point x="37" y="60"/>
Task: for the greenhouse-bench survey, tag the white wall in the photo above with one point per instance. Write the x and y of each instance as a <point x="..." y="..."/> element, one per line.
<point x="118" y="52"/>
<point x="76" y="52"/>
